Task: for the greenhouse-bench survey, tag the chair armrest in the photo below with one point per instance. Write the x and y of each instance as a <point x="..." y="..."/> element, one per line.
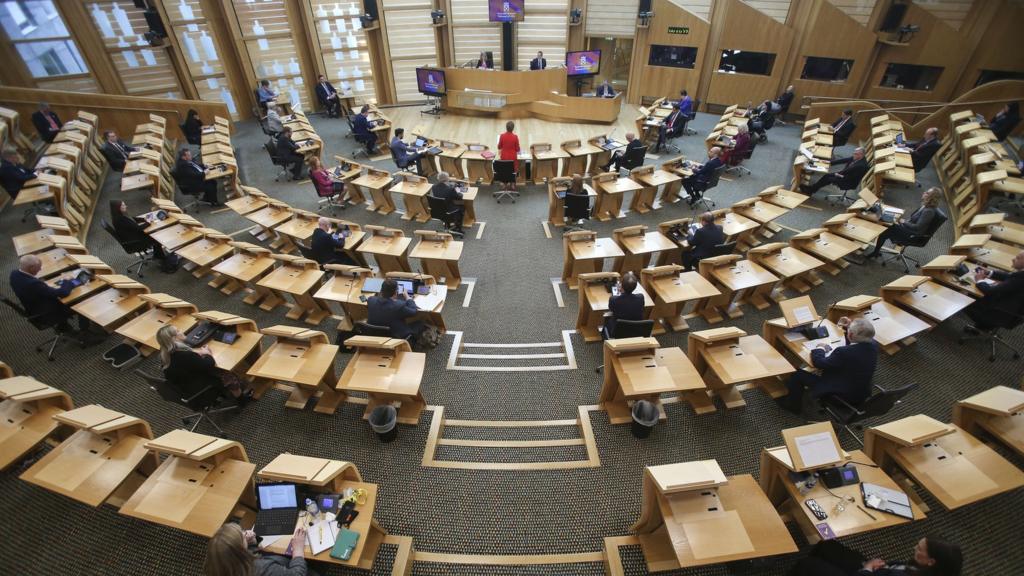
<point x="197" y="394"/>
<point x="846" y="405"/>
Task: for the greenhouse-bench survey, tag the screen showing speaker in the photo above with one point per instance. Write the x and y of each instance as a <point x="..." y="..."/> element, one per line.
<point x="585" y="63"/>
<point x="430" y="81"/>
<point x="505" y="10"/>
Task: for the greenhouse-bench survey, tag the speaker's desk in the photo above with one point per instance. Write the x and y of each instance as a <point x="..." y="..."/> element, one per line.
<point x="513" y="94"/>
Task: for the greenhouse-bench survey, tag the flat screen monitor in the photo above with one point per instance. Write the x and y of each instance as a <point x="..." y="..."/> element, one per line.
<point x="585" y="63"/>
<point x="505" y="10"/>
<point x="430" y="81"/>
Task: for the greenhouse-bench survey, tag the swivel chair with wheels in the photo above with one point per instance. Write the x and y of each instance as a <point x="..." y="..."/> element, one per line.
<point x="505" y="172"/>
<point x="878" y="404"/>
<point x="364" y="328"/>
<point x="205" y="402"/>
<point x="627" y="329"/>
<point x="700" y="189"/>
<point x="439" y="211"/>
<point x="271" y="147"/>
<point x="577" y="209"/>
<point x="141" y="249"/>
<point x="915" y="241"/>
<point x="59" y="326"/>
<point x="633" y="159"/>
<point x="1007" y="321"/>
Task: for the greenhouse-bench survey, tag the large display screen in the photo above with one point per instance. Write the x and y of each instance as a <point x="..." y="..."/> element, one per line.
<point x="505" y="10"/>
<point x="430" y="81"/>
<point x="586" y="63"/>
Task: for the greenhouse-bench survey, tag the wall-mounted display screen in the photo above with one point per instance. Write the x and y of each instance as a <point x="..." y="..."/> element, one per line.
<point x="505" y="10"/>
<point x="585" y="63"/>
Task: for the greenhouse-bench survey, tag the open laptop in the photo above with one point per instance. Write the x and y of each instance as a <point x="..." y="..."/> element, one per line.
<point x="278" y="509"/>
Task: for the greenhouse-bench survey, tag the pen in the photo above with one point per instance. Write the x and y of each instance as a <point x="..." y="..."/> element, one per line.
<point x="870" y="515"/>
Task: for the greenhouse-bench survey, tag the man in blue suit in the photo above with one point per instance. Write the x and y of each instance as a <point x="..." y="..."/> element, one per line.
<point x="361" y="130"/>
<point x="703" y="240"/>
<point x="13" y="173"/>
<point x="846" y="371"/>
<point x="697" y="182"/>
<point x="404" y="154"/>
<point x="391" y="308"/>
<point x="42" y="301"/>
<point x="328" y="96"/>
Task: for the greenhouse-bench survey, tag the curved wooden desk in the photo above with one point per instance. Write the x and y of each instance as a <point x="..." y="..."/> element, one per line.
<point x="537" y="93"/>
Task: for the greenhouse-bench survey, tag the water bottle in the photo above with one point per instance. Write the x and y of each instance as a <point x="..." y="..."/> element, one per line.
<point x="312" y="508"/>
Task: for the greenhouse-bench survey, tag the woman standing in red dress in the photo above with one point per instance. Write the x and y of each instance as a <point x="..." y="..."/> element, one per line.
<point x="508" y="149"/>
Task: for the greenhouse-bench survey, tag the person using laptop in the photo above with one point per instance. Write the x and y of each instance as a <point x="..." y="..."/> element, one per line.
<point x="703" y="240"/>
<point x="846" y="371"/>
<point x="931" y="557"/>
<point x="191" y="370"/>
<point x="42" y="301"/>
<point x="328" y="248"/>
<point x="235" y="552"/>
<point x="391" y="307"/>
<point x="618" y="157"/>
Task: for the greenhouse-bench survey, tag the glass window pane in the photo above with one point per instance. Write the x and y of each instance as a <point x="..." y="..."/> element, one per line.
<point x="672" y="56"/>
<point x="745" y="62"/>
<point x="910" y="76"/>
<point x="51" y="58"/>
<point x="826" y="69"/>
<point x="27" y="19"/>
<point x="70" y="84"/>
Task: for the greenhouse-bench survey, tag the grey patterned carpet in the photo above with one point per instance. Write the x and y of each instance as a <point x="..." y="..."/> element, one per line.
<point x="489" y="512"/>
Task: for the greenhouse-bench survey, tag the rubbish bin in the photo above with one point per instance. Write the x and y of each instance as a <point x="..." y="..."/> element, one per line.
<point x="384" y="421"/>
<point x="645" y="418"/>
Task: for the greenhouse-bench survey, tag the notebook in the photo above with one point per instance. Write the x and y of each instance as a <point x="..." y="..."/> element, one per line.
<point x="886" y="500"/>
<point x="345" y="544"/>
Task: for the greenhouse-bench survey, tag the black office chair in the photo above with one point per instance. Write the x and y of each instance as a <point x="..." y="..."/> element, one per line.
<point x="915" y="241"/>
<point x="271" y="147"/>
<point x="627" y="329"/>
<point x="878" y="404"/>
<point x="406" y="166"/>
<point x="505" y="172"/>
<point x="205" y="402"/>
<point x="364" y="328"/>
<point x="192" y="192"/>
<point x="846" y="194"/>
<point x="633" y="159"/>
<point x="690" y="118"/>
<point x="1008" y="321"/>
<point x="333" y="199"/>
<point x="700" y="189"/>
<point x="141" y="249"/>
<point x="577" y="209"/>
<point x="448" y="218"/>
<point x="59" y="326"/>
<point x="723" y="249"/>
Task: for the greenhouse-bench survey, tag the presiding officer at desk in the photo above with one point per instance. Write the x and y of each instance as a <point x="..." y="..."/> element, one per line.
<point x="605" y="90"/>
<point x="539" y="63"/>
<point x="41" y="301"/>
<point x="485" y="61"/>
<point x="846" y="371"/>
<point x="445" y="191"/>
<point x="1003" y="297"/>
<point x="626" y="305"/>
<point x="390" y="308"/>
<point x="328" y="248"/>
<point x="703" y="240"/>
<point x="361" y="130"/>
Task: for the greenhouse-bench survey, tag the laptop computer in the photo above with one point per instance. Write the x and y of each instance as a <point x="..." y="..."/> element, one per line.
<point x="278" y="509"/>
<point x="420" y="143"/>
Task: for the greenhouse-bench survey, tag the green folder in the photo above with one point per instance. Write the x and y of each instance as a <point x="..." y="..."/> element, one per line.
<point x="345" y="544"/>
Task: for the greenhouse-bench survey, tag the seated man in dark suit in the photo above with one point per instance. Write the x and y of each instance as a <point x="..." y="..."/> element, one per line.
<point x="632" y="143"/>
<point x="670" y="127"/>
<point x="115" y="150"/>
<point x="626" y="305"/>
<point x="921" y="152"/>
<point x="362" y="132"/>
<point x="539" y="63"/>
<point x="846" y="179"/>
<point x="288" y="151"/>
<point x="695" y="183"/>
<point x="42" y="301"/>
<point x="328" y="96"/>
<point x="13" y="172"/>
<point x="391" y="308"/>
<point x="191" y="177"/>
<point x="842" y="128"/>
<point x="1003" y="298"/>
<point x="785" y="100"/>
<point x="405" y="155"/>
<point x="452" y="197"/>
<point x="846" y="371"/>
<point x="328" y="248"/>
<point x="703" y="240"/>
<point x="46" y="122"/>
<point x="605" y="90"/>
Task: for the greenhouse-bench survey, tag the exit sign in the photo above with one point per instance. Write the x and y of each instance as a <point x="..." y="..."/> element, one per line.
<point x="678" y="29"/>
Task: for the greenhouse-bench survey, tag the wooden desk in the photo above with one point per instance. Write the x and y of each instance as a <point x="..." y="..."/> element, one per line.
<point x="762" y="212"/>
<point x="580" y="154"/>
<point x="544" y="161"/>
<point x="246" y="204"/>
<point x="344" y="286"/>
<point x="249" y="263"/>
<point x="777" y="333"/>
<point x="479" y="163"/>
<point x="857" y="229"/>
<point x="557" y="189"/>
<point x="982" y="249"/>
<point x="450" y="158"/>
<point x="100" y="462"/>
<point x="302" y="358"/>
<point x="924" y="297"/>
<point x="85" y="263"/>
<point x="238" y="356"/>
<point x="329" y="477"/>
<point x="297" y="230"/>
<point x="296" y="278"/>
<point x="268" y="218"/>
<point x="54" y="262"/>
<point x="637" y="369"/>
<point x="164" y="310"/>
<point x="738" y="281"/>
<point x="413" y="190"/>
<point x="942" y="269"/>
<point x="784" y="494"/>
<point x="610" y="190"/>
<point x="999" y="227"/>
<point x="388" y="247"/>
<point x="639" y="247"/>
<point x="672" y="289"/>
<point x="604" y="156"/>
<point x="781" y="197"/>
<point x="999" y="411"/>
<point x="439" y="255"/>
<point x="584" y="252"/>
<point x="728" y="357"/>
<point x="737" y="228"/>
<point x="725" y="521"/>
<point x="374" y="185"/>
<point x="892" y="325"/>
<point x="827" y="246"/>
<point x="593" y="302"/>
<point x="388" y="371"/>
<point x="206" y="252"/>
<point x="112" y="307"/>
<point x="795" y="267"/>
<point x="197" y="487"/>
<point x="651" y="178"/>
<point x="27" y="408"/>
<point x="943" y="459"/>
<point x="430" y="305"/>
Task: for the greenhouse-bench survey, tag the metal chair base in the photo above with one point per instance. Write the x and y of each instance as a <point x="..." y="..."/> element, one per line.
<point x="139" y="265"/>
<point x="52" y="342"/>
<point x="500" y="195"/>
<point x="993" y="338"/>
<point x="200" y="417"/>
<point x="900" y="255"/>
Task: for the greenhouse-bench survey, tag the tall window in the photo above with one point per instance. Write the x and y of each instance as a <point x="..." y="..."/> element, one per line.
<point x="38" y="33"/>
<point x="267" y="34"/>
<point x="343" y="48"/>
<point x="145" y="70"/>
<point x="411" y="43"/>
<point x="472" y="32"/>
<point x="201" y="52"/>
<point x="910" y="76"/>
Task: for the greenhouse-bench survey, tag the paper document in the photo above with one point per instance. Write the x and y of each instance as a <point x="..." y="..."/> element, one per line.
<point x="803" y="315"/>
<point x="817" y="449"/>
<point x="322" y="534"/>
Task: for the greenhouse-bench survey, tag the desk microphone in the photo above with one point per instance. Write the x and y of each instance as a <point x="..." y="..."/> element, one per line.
<point x="817" y="331"/>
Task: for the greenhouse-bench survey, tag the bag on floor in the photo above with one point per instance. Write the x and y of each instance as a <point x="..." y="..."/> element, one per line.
<point x="170" y="264"/>
<point x="429" y="338"/>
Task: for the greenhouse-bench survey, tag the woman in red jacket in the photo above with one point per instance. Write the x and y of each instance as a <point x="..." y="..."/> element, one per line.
<point x="508" y="149"/>
<point x="325" y="185"/>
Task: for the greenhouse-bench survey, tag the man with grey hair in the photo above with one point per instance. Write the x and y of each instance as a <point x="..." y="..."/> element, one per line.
<point x="452" y="197"/>
<point x="328" y="248"/>
<point x="46" y="122"/>
<point x="846" y="179"/>
<point x="274" y="124"/>
<point x="697" y="183"/>
<point x="845" y="371"/>
<point x="43" y="302"/>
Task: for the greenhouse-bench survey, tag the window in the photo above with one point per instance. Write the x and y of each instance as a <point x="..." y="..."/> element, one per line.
<point x="987" y="76"/>
<point x="344" y="48"/>
<point x="910" y="77"/>
<point x="826" y="69"/>
<point x="271" y="47"/>
<point x="673" y="56"/>
<point x="744" y="62"/>
<point x="144" y="70"/>
<point x="38" y="33"/>
<point x="201" y="52"/>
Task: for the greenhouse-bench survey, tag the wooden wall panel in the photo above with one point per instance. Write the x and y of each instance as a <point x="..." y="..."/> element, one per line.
<point x="657" y="81"/>
<point x="699" y="8"/>
<point x="859" y="10"/>
<point x="472" y="32"/>
<point x="544" y="28"/>
<point x="748" y="29"/>
<point x="777" y="10"/>
<point x="411" y="43"/>
<point x="996" y="49"/>
<point x="341" y="49"/>
<point x="952" y="12"/>
<point x="612" y="18"/>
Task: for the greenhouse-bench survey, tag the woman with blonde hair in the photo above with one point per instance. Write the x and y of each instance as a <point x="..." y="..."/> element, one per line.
<point x="919" y="222"/>
<point x="233" y="552"/>
<point x="193" y="370"/>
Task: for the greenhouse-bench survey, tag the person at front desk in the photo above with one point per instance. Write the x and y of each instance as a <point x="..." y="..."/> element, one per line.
<point x="846" y="371"/>
<point x="405" y="155"/>
<point x="191" y="175"/>
<point x="539" y="63"/>
<point x="702" y="175"/>
<point x="328" y="96"/>
<point x="328" y="248"/>
<point x="361" y="129"/>
<point x="13" y="172"/>
<point x="288" y="152"/>
<point x="605" y="90"/>
<point x="1003" y="294"/>
<point x="632" y="142"/>
<point x="484" y="63"/>
<point x="626" y="305"/>
<point x="115" y="150"/>
<point x="391" y="307"/>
